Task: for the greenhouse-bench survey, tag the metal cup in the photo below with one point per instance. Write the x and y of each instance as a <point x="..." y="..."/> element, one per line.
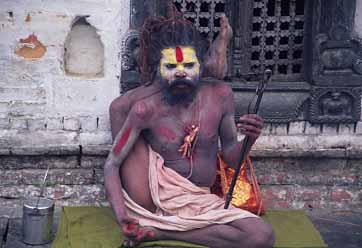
<point x="37" y="220"/>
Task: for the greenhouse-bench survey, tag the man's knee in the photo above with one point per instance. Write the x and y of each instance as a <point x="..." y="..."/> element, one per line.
<point x="262" y="236"/>
<point x="258" y="234"/>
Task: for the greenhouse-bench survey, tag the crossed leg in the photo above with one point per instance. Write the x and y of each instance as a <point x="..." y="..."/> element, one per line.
<point x="242" y="233"/>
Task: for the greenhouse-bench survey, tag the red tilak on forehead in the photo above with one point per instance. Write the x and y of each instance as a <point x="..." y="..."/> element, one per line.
<point x="179" y="55"/>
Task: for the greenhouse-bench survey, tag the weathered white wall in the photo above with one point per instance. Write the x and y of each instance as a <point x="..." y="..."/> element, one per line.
<point x="36" y="95"/>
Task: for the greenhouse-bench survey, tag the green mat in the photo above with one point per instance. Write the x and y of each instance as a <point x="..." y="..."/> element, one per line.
<point x="95" y="227"/>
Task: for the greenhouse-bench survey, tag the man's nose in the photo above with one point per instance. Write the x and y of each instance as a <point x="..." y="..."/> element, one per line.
<point x="180" y="73"/>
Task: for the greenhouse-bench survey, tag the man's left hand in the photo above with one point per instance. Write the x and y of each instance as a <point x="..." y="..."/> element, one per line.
<point x="251" y="125"/>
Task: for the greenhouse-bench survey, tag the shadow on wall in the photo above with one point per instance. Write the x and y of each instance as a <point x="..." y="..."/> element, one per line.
<point x="83" y="51"/>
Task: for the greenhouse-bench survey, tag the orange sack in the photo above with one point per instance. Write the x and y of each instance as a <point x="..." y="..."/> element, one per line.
<point x="246" y="194"/>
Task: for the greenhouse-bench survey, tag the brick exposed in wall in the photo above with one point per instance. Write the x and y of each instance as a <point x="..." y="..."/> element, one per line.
<point x="36" y="124"/>
<point x="59" y="176"/>
<point x="64" y="194"/>
<point x="96" y="162"/>
<point x="23" y="108"/>
<point x="55" y="123"/>
<point x="98" y="176"/>
<point x="95" y="138"/>
<point x="11" y="177"/>
<point x="22" y="94"/>
<point x="306" y="172"/>
<point x="71" y="124"/>
<point x="95" y="150"/>
<point x="17" y="138"/>
<point x="294" y="196"/>
<point x="19" y="123"/>
<point x="88" y="123"/>
<point x="38" y="162"/>
<point x="11" y="192"/>
<point x="4" y="123"/>
<point x="103" y="123"/>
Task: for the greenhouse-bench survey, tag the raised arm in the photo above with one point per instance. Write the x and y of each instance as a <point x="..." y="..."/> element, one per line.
<point x="250" y="125"/>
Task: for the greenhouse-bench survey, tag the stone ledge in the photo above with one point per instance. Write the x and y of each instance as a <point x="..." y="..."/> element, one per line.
<point x="103" y="150"/>
<point x="46" y="150"/>
<point x="284" y="153"/>
<point x="333" y="146"/>
<point x="96" y="150"/>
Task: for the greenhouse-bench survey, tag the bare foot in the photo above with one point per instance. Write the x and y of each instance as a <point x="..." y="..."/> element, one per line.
<point x="136" y="235"/>
<point x="215" y="59"/>
<point x="226" y="32"/>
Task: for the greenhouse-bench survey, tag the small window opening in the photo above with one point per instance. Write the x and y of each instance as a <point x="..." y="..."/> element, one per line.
<point x="83" y="50"/>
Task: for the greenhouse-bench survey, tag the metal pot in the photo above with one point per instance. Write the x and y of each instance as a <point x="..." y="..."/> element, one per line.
<point x="37" y="220"/>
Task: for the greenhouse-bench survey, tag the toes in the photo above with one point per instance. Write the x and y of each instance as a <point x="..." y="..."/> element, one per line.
<point x="128" y="243"/>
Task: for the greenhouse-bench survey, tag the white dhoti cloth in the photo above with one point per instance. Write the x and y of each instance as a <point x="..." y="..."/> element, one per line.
<point x="181" y="205"/>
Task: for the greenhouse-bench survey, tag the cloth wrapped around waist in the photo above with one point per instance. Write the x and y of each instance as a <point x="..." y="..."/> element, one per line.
<point x="181" y="205"/>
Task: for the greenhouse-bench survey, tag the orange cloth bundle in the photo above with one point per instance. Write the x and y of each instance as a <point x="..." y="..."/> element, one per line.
<point x="246" y="194"/>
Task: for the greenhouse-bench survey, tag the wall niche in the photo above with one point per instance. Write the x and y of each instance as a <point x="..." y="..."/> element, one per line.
<point x="83" y="50"/>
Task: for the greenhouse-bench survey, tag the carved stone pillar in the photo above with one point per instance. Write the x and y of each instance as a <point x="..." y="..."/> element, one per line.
<point x="336" y="65"/>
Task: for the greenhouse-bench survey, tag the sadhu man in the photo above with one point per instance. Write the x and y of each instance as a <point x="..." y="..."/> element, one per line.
<point x="164" y="158"/>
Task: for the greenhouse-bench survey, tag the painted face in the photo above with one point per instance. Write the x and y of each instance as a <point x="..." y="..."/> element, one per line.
<point x="179" y="63"/>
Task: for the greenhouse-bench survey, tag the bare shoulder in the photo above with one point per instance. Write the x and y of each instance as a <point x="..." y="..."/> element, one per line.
<point x="125" y="102"/>
<point x="220" y="90"/>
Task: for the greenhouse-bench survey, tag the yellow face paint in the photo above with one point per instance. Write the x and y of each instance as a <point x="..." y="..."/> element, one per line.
<point x="188" y="64"/>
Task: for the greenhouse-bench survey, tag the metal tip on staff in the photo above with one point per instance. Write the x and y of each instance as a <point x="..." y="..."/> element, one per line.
<point x="268" y="73"/>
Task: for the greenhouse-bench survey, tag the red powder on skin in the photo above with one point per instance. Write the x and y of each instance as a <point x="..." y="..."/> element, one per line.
<point x="179" y="55"/>
<point x="167" y="133"/>
<point x="122" y="141"/>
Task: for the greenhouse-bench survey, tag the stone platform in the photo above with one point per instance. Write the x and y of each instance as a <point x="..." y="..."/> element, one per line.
<point x="339" y="229"/>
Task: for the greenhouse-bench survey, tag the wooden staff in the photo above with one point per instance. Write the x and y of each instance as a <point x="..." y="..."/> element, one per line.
<point x="246" y="143"/>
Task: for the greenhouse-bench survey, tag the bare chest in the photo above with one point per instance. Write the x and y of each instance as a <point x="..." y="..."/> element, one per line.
<point x="168" y="132"/>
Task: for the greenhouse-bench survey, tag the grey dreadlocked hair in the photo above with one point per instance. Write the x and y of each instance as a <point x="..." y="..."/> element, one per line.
<point x="159" y="33"/>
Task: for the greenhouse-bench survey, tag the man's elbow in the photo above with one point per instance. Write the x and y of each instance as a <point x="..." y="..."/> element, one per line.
<point x="109" y="171"/>
<point x="230" y="158"/>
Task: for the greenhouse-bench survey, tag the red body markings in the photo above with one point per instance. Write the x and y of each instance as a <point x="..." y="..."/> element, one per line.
<point x="122" y="141"/>
<point x="179" y="55"/>
<point x="167" y="133"/>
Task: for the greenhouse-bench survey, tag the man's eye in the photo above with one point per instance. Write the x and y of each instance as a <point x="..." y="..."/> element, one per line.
<point x="189" y="65"/>
<point x="170" y="66"/>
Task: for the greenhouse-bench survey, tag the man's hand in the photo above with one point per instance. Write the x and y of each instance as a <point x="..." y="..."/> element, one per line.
<point x="133" y="232"/>
<point x="251" y="125"/>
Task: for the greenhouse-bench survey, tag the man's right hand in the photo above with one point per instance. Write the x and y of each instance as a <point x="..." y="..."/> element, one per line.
<point x="133" y="232"/>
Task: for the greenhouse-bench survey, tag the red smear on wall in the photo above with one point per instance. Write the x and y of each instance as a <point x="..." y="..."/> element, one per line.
<point x="179" y="55"/>
<point x="122" y="141"/>
<point x="30" y="48"/>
